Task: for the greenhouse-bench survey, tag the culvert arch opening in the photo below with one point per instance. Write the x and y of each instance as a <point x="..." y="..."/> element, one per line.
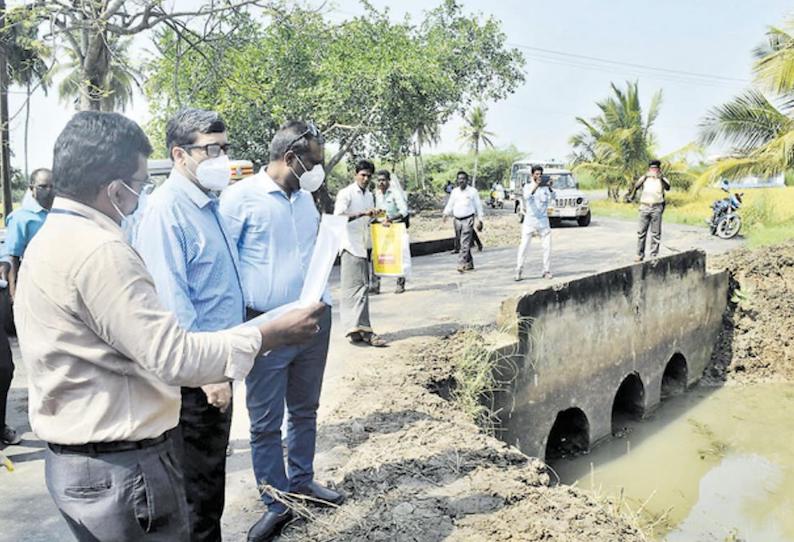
<point x="629" y="402"/>
<point x="570" y="434"/>
<point x="674" y="377"/>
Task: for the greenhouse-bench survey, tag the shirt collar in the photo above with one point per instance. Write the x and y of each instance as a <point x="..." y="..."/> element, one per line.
<point x="270" y="185"/>
<point x="29" y="203"/>
<point x="100" y="218"/>
<point x="189" y="188"/>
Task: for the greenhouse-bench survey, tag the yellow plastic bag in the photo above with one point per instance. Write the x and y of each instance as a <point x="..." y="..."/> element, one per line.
<point x="388" y="250"/>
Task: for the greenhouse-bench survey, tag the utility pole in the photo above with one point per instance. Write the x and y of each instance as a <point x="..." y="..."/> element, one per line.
<point x="5" y="154"/>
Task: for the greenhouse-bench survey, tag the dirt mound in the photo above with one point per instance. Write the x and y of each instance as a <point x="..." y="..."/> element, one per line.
<point x="415" y="468"/>
<point x="757" y="338"/>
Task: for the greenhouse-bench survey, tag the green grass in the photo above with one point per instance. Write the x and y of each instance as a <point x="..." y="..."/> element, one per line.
<point x="767" y="213"/>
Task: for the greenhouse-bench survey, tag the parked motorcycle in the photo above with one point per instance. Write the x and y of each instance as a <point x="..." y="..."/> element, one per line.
<point x="497" y="199"/>
<point x="725" y="221"/>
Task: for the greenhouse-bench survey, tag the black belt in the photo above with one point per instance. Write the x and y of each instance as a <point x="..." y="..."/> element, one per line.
<point x="93" y="448"/>
<point x="464" y="217"/>
<point x="250" y="313"/>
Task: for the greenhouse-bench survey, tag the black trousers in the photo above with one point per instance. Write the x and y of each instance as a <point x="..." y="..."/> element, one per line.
<point x="6" y="360"/>
<point x="201" y="446"/>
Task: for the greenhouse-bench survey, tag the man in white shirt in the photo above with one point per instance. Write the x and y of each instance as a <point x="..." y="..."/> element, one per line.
<point x="357" y="203"/>
<point x="537" y="195"/>
<point x="464" y="205"/>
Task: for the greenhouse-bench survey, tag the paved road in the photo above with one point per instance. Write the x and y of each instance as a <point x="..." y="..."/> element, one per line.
<point x="438" y="300"/>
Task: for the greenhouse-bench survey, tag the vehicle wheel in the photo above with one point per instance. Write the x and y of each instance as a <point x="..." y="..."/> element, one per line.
<point x="555" y="222"/>
<point x="729" y="226"/>
<point x="584" y="220"/>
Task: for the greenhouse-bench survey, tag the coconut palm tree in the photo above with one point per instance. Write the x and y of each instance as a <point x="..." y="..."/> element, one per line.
<point x="117" y="90"/>
<point x="473" y="133"/>
<point x="615" y="145"/>
<point x="27" y="67"/>
<point x="426" y="133"/>
<point x="759" y="123"/>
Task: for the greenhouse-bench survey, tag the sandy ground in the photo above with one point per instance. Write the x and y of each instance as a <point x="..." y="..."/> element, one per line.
<point x="413" y="467"/>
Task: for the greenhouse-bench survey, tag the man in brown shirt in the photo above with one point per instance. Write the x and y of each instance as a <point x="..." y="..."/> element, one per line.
<point x="104" y="359"/>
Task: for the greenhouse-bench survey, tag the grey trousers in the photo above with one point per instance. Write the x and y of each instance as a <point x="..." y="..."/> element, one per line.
<point x="120" y="496"/>
<point x="650" y="217"/>
<point x="355" y="294"/>
<point x="464" y="230"/>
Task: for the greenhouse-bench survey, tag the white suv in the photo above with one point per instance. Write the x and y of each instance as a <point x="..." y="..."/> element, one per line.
<point x="569" y="202"/>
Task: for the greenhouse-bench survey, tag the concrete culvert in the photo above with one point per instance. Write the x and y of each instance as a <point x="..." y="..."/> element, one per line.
<point x="675" y="376"/>
<point x="629" y="403"/>
<point x="570" y="434"/>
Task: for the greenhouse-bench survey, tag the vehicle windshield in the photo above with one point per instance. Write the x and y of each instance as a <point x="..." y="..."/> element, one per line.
<point x="562" y="181"/>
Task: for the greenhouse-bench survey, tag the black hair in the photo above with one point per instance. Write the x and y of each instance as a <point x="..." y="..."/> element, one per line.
<point x="655" y="163"/>
<point x="95" y="149"/>
<point x="461" y="172"/>
<point x="186" y="124"/>
<point x="384" y="173"/>
<point x="363" y="165"/>
<point x="288" y="137"/>
<point x="537" y="168"/>
<point x="37" y="172"/>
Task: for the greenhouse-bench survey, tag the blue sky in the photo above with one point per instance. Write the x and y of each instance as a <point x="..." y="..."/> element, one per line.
<point x="709" y="37"/>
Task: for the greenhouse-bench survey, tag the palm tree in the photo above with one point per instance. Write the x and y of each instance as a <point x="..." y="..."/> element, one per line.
<point x="473" y="133"/>
<point x="426" y="133"/>
<point x="27" y="67"/>
<point x="615" y="146"/>
<point x="117" y="89"/>
<point x="759" y="123"/>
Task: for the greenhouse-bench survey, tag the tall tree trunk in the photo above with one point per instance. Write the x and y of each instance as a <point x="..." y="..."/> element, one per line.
<point x="416" y="167"/>
<point x="476" y="162"/>
<point x="5" y="154"/>
<point x="27" y="126"/>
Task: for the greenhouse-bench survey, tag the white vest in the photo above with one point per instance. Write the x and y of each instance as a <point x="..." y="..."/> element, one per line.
<point x="652" y="191"/>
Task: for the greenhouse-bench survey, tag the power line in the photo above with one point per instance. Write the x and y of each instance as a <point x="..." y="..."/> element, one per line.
<point x="586" y="60"/>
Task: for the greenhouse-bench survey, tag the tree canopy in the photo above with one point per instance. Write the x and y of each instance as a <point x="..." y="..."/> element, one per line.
<point x="370" y="83"/>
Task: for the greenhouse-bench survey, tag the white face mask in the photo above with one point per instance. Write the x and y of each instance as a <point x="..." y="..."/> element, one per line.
<point x="127" y="221"/>
<point x="213" y="173"/>
<point x="311" y="179"/>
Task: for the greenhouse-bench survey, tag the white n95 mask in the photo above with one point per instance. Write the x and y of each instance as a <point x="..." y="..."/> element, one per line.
<point x="311" y="179"/>
<point x="214" y="173"/>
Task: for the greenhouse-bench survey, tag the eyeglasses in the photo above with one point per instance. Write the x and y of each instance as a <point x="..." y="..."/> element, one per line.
<point x="213" y="150"/>
<point x="311" y="130"/>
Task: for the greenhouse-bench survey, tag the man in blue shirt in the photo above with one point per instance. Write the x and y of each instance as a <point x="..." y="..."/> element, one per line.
<point x="25" y="222"/>
<point x="189" y="253"/>
<point x="274" y="223"/>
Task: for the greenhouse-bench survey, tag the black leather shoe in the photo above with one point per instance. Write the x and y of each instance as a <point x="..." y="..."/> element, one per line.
<point x="269" y="526"/>
<point x="321" y="493"/>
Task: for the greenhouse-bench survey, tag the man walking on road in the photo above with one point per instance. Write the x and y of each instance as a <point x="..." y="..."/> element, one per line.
<point x="653" y="185"/>
<point x="274" y="223"/>
<point x="193" y="262"/>
<point x="104" y="358"/>
<point x="356" y="202"/>
<point x="465" y="207"/>
<point x="537" y="194"/>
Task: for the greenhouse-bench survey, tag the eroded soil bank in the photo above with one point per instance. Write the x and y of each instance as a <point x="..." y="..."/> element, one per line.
<point x="757" y="340"/>
<point x="415" y="468"/>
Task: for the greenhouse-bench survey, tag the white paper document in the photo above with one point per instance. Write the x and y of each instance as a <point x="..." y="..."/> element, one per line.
<point x="329" y="241"/>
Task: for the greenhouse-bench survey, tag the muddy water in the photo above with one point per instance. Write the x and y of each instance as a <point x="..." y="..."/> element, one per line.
<point x="708" y="465"/>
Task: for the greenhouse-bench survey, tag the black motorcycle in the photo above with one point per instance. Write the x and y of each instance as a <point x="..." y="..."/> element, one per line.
<point x="725" y="221"/>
